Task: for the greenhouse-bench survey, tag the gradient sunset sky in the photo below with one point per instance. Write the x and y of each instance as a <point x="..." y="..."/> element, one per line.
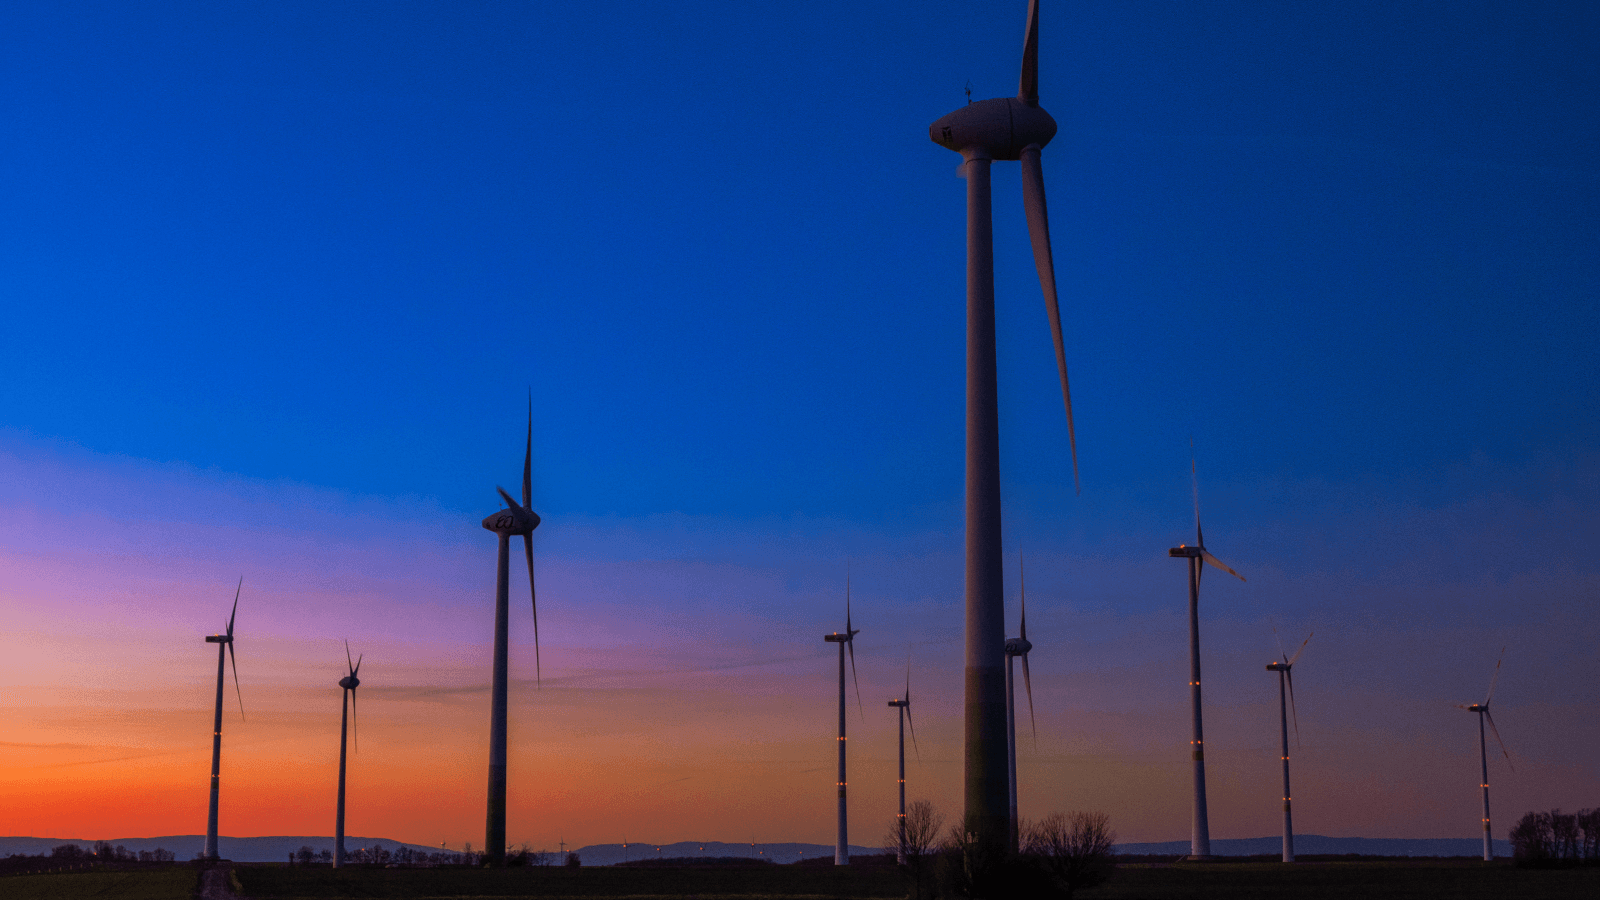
<point x="277" y="278"/>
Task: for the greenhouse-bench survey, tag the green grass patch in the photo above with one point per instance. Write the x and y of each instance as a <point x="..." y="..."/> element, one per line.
<point x="165" y="883"/>
<point x="1390" y="880"/>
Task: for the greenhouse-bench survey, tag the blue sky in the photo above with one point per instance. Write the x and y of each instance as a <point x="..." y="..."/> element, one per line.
<point x="303" y="264"/>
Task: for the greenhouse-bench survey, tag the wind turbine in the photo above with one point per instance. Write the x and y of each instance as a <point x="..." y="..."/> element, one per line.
<point x="1198" y="556"/>
<point x="224" y="644"/>
<point x="904" y="705"/>
<point x="1015" y="647"/>
<point x="513" y="520"/>
<point x="841" y="852"/>
<point x="346" y="717"/>
<point x="1286" y="678"/>
<point x="1482" y="709"/>
<point x="1003" y="128"/>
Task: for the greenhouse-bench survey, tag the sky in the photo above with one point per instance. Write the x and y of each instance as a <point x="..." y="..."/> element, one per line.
<point x="278" y="280"/>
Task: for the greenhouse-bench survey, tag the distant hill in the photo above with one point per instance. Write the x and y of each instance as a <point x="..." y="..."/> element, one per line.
<point x="1316" y="844"/>
<point x="278" y="848"/>
<point x="188" y="846"/>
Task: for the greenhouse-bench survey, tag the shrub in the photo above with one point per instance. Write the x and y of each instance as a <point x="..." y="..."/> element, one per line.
<point x="1074" y="849"/>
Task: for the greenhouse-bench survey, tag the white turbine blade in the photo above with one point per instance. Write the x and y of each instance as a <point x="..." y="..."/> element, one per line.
<point x="1496" y="677"/>
<point x="1496" y="732"/>
<point x="863" y="710"/>
<point x="1284" y="654"/>
<point x="355" y="726"/>
<point x="240" y="694"/>
<point x="356" y="672"/>
<point x="1028" y="88"/>
<point x="533" y="596"/>
<point x="1206" y="555"/>
<point x="527" y="459"/>
<point x="1194" y="486"/>
<point x="1027" y="683"/>
<point x="1039" y="234"/>
<point x="1023" y="584"/>
<point x="349" y="664"/>
<point x="235" y="605"/>
<point x="1302" y="648"/>
<point x="913" y="725"/>
<point x="507" y="498"/>
<point x="1288" y="675"/>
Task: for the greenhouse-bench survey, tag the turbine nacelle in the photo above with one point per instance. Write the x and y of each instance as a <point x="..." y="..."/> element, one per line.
<point x="513" y="520"/>
<point x="1000" y="128"/>
<point x="1018" y="646"/>
<point x="349" y="682"/>
<point x="219" y="638"/>
<point x="1277" y="667"/>
<point x="840" y="637"/>
<point x="900" y="703"/>
<point x="1478" y="708"/>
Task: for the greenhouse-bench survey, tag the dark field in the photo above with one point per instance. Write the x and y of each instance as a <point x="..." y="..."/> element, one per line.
<point x="1464" y="879"/>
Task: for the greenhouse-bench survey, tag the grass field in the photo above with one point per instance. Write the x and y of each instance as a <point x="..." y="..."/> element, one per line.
<point x="1405" y="880"/>
<point x="174" y="883"/>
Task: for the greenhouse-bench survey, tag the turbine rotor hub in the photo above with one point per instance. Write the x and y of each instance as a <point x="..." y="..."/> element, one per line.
<point x="349" y="682"/>
<point x="219" y="638"/>
<point x="512" y="522"/>
<point x="1018" y="646"/>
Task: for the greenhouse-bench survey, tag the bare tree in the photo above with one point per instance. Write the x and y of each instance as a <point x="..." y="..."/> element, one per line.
<point x="1589" y="824"/>
<point x="1530" y="837"/>
<point x="1563" y="835"/>
<point x="1073" y="848"/>
<point x="914" y="840"/>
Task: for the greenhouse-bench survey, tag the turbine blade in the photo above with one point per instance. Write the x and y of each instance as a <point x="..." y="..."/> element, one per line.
<point x="1492" y="681"/>
<point x="355" y="726"/>
<point x="913" y="725"/>
<point x="1028" y="89"/>
<point x="852" y="645"/>
<point x="527" y="459"/>
<point x="1496" y="732"/>
<point x="235" y="605"/>
<point x="507" y="498"/>
<point x="1281" y="652"/>
<point x="1194" y="485"/>
<point x="1027" y="683"/>
<point x="533" y="595"/>
<point x="235" y="661"/>
<point x="1302" y="648"/>
<point x="348" y="663"/>
<point x="1023" y="584"/>
<point x="908" y="674"/>
<point x="357" y="670"/>
<point x="1288" y="674"/>
<point x="1039" y="234"/>
<point x="1206" y="555"/>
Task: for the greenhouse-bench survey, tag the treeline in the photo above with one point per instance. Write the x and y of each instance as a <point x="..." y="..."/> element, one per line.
<point x="378" y="855"/>
<point x="73" y="856"/>
<point x="1557" y="837"/>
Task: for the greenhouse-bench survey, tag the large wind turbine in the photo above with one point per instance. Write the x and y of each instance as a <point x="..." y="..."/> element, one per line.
<point x="904" y="705"/>
<point x="841" y="852"/>
<point x="346" y="716"/>
<point x="1198" y="557"/>
<point x="1004" y="128"/>
<point x="1286" y="678"/>
<point x="1015" y="647"/>
<point x="224" y="644"/>
<point x="1482" y="709"/>
<point x="513" y="520"/>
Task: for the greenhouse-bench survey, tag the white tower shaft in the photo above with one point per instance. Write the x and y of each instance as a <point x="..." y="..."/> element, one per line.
<point x="1483" y="759"/>
<point x="841" y="851"/>
<point x="1013" y="834"/>
<point x="1200" y="833"/>
<point x="338" y="817"/>
<point x="210" y="851"/>
<point x="1288" y="826"/>
<point x="900" y="855"/>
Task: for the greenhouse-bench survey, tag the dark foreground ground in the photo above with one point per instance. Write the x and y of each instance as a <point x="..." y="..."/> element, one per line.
<point x="1453" y="879"/>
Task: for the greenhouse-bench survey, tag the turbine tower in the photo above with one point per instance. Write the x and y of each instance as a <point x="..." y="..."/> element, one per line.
<point x="508" y="522"/>
<point x="841" y="852"/>
<point x="1015" y="647"/>
<point x="1286" y="678"/>
<point x="224" y="644"/>
<point x="1198" y="557"/>
<point x="1482" y="709"/>
<point x="346" y="717"/>
<point x="904" y="705"/>
<point x="1003" y="128"/>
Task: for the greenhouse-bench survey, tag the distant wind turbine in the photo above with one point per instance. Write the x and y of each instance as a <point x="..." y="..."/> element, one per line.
<point x="1003" y="128"/>
<point x="513" y="520"/>
<point x="1286" y="679"/>
<point x="841" y="852"/>
<point x="1482" y="709"/>
<point x="1199" y="557"/>
<point x="224" y="644"/>
<point x="1015" y="647"/>
<point x="904" y="705"/>
<point x="346" y="717"/>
